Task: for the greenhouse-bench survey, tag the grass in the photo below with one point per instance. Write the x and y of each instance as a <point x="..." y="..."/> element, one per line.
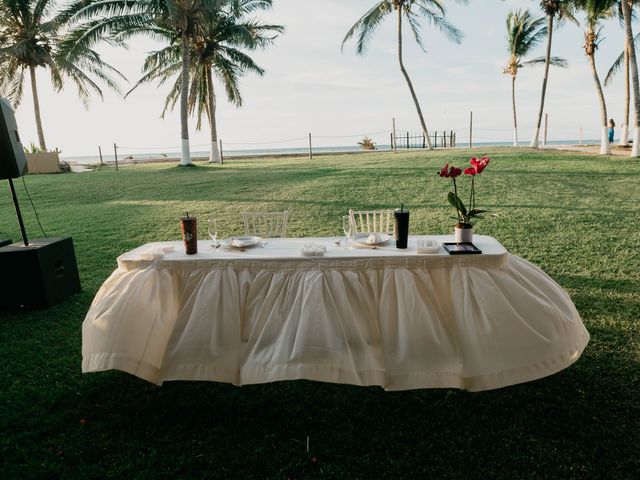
<point x="575" y="216"/>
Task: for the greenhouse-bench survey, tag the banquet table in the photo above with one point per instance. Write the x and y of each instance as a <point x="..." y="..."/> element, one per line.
<point x="362" y="316"/>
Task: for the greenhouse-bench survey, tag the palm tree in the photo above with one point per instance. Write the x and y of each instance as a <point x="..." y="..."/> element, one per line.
<point x="623" y="58"/>
<point x="523" y="33"/>
<point x="562" y="9"/>
<point x="215" y="52"/>
<point x="178" y="22"/>
<point x="411" y="10"/>
<point x="32" y="37"/>
<point x="631" y="53"/>
<point x="595" y="11"/>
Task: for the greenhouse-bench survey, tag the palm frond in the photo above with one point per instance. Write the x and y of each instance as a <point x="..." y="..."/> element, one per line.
<point x="228" y="73"/>
<point x="160" y="73"/>
<point x="618" y="62"/>
<point x="367" y="24"/>
<point x="438" y="20"/>
<point x="173" y="97"/>
<point x="555" y="61"/>
<point x="243" y="61"/>
<point x="13" y="83"/>
<point x="614" y="69"/>
<point x="414" y="24"/>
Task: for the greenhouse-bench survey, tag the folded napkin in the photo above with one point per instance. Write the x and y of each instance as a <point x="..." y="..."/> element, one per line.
<point x="373" y="238"/>
<point x="156" y="253"/>
<point x="236" y="242"/>
<point x="427" y="246"/>
<point x="313" y="250"/>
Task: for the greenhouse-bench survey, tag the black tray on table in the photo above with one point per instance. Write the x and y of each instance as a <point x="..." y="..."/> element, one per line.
<point x="462" y="248"/>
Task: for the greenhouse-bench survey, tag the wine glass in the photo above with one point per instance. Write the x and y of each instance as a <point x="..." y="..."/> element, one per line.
<point x="347" y="226"/>
<point x="212" y="228"/>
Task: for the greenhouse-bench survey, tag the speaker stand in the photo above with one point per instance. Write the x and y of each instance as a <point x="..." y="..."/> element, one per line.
<point x="15" y="202"/>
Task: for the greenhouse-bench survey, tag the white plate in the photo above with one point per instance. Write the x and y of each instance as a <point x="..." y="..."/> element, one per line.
<point x="244" y="241"/>
<point x="360" y="240"/>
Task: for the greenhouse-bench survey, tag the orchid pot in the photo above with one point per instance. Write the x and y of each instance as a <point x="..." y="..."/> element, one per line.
<point x="464" y="233"/>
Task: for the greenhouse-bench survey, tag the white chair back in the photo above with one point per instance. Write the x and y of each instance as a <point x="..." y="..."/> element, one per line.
<point x="266" y="224"/>
<point x="367" y="221"/>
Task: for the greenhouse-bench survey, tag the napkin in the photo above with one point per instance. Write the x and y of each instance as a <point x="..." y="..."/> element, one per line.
<point x="313" y="250"/>
<point x="373" y="238"/>
<point x="427" y="246"/>
<point x="156" y="253"/>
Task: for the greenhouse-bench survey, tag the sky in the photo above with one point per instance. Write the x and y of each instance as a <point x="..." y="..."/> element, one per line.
<point x="313" y="86"/>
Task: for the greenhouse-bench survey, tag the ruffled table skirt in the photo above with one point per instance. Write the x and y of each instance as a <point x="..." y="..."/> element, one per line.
<point x="474" y="322"/>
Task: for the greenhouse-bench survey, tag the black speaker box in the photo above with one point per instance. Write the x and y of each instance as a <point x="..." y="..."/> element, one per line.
<point x="4" y="242"/>
<point x="13" y="162"/>
<point x="39" y="275"/>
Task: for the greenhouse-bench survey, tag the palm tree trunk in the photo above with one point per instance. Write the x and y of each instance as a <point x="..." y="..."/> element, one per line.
<point x="515" y="117"/>
<point x="185" y="157"/>
<point x="214" y="156"/>
<point x="624" y="137"/>
<point x="536" y="132"/>
<point x="406" y="76"/>
<point x="626" y="13"/>
<point x="36" y="107"/>
<point x="604" y="138"/>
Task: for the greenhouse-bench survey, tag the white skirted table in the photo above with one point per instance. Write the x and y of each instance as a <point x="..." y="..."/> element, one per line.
<point x="382" y="316"/>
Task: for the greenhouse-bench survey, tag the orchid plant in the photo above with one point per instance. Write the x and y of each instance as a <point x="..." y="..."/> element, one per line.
<point x="465" y="215"/>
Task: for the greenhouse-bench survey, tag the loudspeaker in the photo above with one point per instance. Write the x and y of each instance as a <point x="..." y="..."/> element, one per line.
<point x="4" y="242"/>
<point x="13" y="162"/>
<point x="39" y="275"/>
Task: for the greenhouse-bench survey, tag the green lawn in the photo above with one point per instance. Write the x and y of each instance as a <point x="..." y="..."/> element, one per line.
<point x="574" y="216"/>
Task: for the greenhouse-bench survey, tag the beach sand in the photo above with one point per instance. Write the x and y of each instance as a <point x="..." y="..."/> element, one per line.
<point x="591" y="149"/>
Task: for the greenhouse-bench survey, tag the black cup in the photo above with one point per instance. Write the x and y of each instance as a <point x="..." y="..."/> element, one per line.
<point x="401" y="229"/>
<point x="189" y="227"/>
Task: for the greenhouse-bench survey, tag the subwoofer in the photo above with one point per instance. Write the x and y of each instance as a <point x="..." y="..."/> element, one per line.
<point x="38" y="275"/>
<point x="13" y="162"/>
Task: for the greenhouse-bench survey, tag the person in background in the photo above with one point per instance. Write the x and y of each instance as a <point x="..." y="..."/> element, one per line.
<point x="612" y="126"/>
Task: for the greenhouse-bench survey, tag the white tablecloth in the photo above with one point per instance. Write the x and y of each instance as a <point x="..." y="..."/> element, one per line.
<point x="379" y="316"/>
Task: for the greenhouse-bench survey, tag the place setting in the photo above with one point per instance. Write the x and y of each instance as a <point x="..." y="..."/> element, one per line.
<point x="370" y="240"/>
<point x="241" y="243"/>
<point x="237" y="243"/>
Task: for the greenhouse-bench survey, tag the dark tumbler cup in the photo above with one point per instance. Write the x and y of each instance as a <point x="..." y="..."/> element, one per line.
<point x="401" y="228"/>
<point x="189" y="228"/>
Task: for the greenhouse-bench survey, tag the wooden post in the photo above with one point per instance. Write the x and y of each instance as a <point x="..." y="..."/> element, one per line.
<point x="444" y="139"/>
<point x="310" y="149"/>
<point x="471" y="130"/>
<point x="408" y="141"/>
<point x="544" y="137"/>
<point x="580" y="137"/>
<point x="424" y="141"/>
<point x="115" y="154"/>
<point x="100" y="152"/>
<point x="394" y="145"/>
<point x="221" y="155"/>
<point x="391" y="142"/>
